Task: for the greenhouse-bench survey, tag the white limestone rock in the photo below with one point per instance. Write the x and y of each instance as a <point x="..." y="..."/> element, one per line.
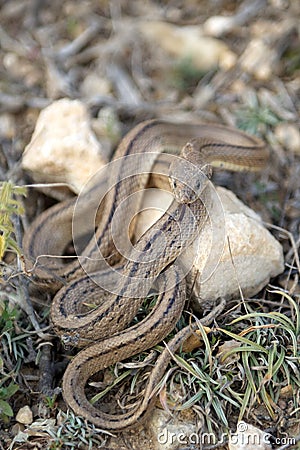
<point x="248" y="437"/>
<point x="24" y="415"/>
<point x="253" y="258"/>
<point x="63" y="147"/>
<point x="173" y="433"/>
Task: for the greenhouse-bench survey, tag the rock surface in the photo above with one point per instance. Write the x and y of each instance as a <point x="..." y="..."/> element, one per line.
<point x="249" y="437"/>
<point x="63" y="148"/>
<point x="246" y="252"/>
<point x="24" y="415"/>
<point x="173" y="433"/>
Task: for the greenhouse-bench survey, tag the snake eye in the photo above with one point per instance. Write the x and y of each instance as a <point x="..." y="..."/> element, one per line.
<point x="174" y="183"/>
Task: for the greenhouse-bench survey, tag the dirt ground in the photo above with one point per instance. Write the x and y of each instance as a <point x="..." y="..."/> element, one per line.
<point x="231" y="62"/>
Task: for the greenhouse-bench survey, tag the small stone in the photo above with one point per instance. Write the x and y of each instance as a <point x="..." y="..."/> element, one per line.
<point x="218" y="25"/>
<point x="225" y="348"/>
<point x="249" y="437"/>
<point x="7" y="126"/>
<point x="288" y="135"/>
<point x="94" y="85"/>
<point x="17" y="428"/>
<point x="183" y="42"/>
<point x="24" y="415"/>
<point x="63" y="148"/>
<point x="258" y="59"/>
<point x="11" y="63"/>
<point x="56" y="82"/>
<point x="286" y="391"/>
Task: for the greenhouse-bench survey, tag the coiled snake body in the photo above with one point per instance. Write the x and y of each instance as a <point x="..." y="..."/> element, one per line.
<point x="150" y="261"/>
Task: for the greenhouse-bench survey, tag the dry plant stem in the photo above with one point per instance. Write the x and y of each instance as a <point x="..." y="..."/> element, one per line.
<point x="36" y="9"/>
<point x="294" y="250"/>
<point x="128" y="92"/>
<point x="23" y="296"/>
<point x="16" y="103"/>
<point x="81" y="41"/>
<point x="137" y="110"/>
<point x="8" y="362"/>
<point x="290" y="101"/>
<point x="2" y="174"/>
<point x="98" y="51"/>
<point x="61" y="82"/>
<point x="247" y="10"/>
<point x="275" y="105"/>
<point x="46" y="368"/>
<point x="11" y="45"/>
<point x="294" y="245"/>
<point x="26" y="305"/>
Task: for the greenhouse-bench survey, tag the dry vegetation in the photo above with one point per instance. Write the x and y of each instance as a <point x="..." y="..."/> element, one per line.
<point x="92" y="50"/>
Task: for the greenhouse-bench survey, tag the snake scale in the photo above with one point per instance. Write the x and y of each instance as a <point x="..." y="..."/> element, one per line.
<point x="105" y="330"/>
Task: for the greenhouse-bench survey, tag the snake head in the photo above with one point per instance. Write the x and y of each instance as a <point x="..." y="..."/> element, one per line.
<point x="189" y="175"/>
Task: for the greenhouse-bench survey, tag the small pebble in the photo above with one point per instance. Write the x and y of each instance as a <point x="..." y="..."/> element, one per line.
<point x="248" y="437"/>
<point x="289" y="136"/>
<point x="24" y="415"/>
<point x="7" y="126"/>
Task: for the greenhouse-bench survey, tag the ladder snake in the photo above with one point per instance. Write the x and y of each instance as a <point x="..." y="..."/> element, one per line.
<point x="153" y="260"/>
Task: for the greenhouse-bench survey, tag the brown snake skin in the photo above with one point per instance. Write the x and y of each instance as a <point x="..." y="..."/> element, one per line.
<point x="104" y="330"/>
